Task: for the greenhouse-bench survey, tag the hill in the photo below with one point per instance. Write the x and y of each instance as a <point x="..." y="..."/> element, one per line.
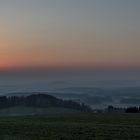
<point x="81" y="126"/>
<point x="40" y="101"/>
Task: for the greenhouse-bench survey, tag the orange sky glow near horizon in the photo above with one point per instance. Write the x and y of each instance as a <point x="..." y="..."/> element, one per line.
<point x="48" y="34"/>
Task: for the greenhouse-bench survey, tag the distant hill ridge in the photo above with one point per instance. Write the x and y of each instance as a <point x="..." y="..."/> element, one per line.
<point x="41" y="101"/>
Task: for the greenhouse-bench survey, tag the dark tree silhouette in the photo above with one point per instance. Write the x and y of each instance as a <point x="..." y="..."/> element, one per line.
<point x="42" y="101"/>
<point x="133" y="110"/>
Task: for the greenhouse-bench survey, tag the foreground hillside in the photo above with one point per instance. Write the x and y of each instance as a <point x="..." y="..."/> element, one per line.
<point x="71" y="127"/>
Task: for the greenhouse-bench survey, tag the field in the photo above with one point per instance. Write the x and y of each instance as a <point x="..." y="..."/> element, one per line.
<point x="71" y="127"/>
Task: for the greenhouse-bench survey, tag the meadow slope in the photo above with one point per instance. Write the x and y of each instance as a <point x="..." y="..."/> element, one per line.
<point x="79" y="126"/>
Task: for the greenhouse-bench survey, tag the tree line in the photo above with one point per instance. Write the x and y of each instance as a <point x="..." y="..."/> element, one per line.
<point x="134" y="109"/>
<point x="41" y="101"/>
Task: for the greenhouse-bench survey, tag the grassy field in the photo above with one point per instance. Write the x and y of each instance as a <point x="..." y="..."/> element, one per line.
<point x="71" y="127"/>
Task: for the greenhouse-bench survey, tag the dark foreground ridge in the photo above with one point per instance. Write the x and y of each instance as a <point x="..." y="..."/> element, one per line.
<point x="41" y="101"/>
<point x="80" y="126"/>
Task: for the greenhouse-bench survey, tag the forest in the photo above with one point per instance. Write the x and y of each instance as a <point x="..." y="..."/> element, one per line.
<point x="41" y="101"/>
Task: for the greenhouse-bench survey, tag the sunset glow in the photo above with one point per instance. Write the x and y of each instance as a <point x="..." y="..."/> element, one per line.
<point x="52" y="34"/>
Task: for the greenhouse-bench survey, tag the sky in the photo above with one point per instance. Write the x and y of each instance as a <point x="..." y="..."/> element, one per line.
<point x="94" y="34"/>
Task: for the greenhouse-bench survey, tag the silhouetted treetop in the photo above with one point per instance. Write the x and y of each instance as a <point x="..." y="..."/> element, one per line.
<point x="42" y="101"/>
